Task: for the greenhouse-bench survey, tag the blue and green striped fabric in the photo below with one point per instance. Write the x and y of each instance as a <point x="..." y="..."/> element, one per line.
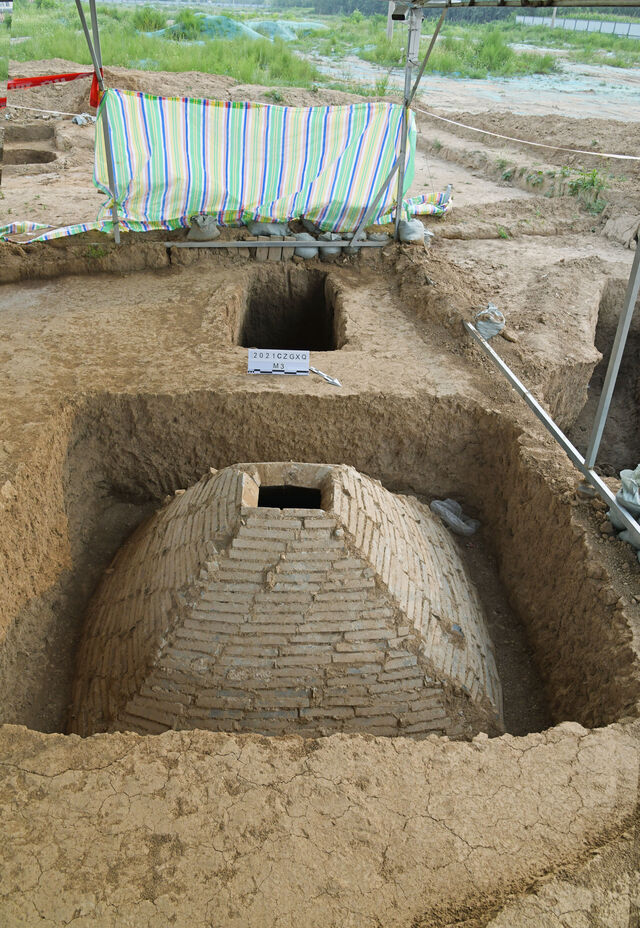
<point x="176" y="157"/>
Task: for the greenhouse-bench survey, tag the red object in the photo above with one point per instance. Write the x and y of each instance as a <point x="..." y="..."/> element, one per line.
<point x="19" y="83"/>
<point x="3" y="102"/>
<point x="94" y="95"/>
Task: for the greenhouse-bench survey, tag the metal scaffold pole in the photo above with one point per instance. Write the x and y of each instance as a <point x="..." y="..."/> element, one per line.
<point x="624" y="322"/>
<point x="413" y="49"/>
<point x="96" y="58"/>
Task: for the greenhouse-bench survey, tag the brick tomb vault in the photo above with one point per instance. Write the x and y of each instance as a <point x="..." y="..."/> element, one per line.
<point x="287" y="598"/>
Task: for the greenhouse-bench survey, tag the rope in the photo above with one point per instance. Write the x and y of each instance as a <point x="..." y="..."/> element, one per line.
<point x="509" y="138"/>
<point x="35" y="109"/>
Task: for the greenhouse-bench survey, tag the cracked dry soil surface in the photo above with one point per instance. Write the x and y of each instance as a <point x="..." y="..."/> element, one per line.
<point x="195" y="828"/>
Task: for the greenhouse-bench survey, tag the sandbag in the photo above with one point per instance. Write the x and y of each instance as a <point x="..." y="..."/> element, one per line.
<point x="203" y="229"/>
<point x="411" y="232"/>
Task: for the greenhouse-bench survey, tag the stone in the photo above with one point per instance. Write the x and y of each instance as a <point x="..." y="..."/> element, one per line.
<point x="262" y="253"/>
<point x="623" y="229"/>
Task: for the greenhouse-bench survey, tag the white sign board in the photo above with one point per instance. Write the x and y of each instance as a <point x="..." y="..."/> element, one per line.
<point x="277" y="361"/>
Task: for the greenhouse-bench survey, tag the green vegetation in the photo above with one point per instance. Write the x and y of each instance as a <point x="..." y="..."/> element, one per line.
<point x="58" y="35"/>
<point x="470" y="55"/>
<point x="502" y="232"/>
<point x="584" y="47"/>
<point x="587" y="187"/>
<point x="148" y="19"/>
<point x="188" y="26"/>
<point x="474" y="46"/>
<point x="95" y="252"/>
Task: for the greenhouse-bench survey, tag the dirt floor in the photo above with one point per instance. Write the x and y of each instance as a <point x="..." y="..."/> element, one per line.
<point x="123" y="379"/>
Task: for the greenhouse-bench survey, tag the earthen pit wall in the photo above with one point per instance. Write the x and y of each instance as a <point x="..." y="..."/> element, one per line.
<point x="584" y="634"/>
<point x="146" y="446"/>
<point x="35" y="547"/>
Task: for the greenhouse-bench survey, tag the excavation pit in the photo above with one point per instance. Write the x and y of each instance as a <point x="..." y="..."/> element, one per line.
<point x="121" y="392"/>
<point x="291" y="309"/>
<point x="620" y="445"/>
<point x="38" y="132"/>
<point x="28" y="155"/>
<point x="108" y="482"/>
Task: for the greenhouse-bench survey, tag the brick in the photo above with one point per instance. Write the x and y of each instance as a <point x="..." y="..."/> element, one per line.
<point x="407" y="685"/>
<point x="302" y="660"/>
<point x="439" y="726"/>
<point x="211" y="700"/>
<point x="396" y="663"/>
<point x="369" y="634"/>
<point x="358" y="657"/>
<point x="382" y="721"/>
<point x="334" y="712"/>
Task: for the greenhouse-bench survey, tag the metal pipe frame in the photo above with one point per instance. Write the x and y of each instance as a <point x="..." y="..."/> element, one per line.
<point x="570" y="450"/>
<point x="617" y="350"/>
<point x="96" y="58"/>
<point x="514" y="4"/>
<point x="357" y="235"/>
<point x="415" y="26"/>
<point x="277" y="243"/>
<point x="436" y="32"/>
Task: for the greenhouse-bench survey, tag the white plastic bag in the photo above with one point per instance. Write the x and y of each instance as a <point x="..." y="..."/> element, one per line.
<point x="629" y="498"/>
<point x="452" y="515"/>
<point x="489" y="321"/>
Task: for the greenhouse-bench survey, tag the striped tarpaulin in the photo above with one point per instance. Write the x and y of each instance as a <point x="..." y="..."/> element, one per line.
<point x="176" y="157"/>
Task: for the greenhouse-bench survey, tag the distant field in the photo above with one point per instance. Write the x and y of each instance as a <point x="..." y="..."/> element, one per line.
<point x="53" y="31"/>
<point x="50" y="28"/>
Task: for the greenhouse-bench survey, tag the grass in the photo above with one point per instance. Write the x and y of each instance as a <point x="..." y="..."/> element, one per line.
<point x="470" y="55"/>
<point x="148" y="19"/>
<point x="463" y="50"/>
<point x="587" y="187"/>
<point x="583" y="47"/>
<point x="474" y="51"/>
<point x="95" y="252"/>
<point x="54" y="33"/>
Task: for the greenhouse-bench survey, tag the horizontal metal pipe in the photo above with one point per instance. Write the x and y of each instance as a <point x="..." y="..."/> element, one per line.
<point x="276" y="242"/>
<point x="524" y="4"/>
<point x="570" y="450"/>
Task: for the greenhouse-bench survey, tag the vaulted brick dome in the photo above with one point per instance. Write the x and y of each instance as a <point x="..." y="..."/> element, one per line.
<point x="281" y="598"/>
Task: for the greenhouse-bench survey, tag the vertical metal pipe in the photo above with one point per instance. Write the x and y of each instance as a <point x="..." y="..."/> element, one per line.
<point x="415" y="25"/>
<point x="428" y="55"/>
<point x="96" y="31"/>
<point x="92" y="52"/>
<point x="97" y="64"/>
<point x="372" y="208"/>
<point x="110" y="173"/>
<point x="617" y="351"/>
